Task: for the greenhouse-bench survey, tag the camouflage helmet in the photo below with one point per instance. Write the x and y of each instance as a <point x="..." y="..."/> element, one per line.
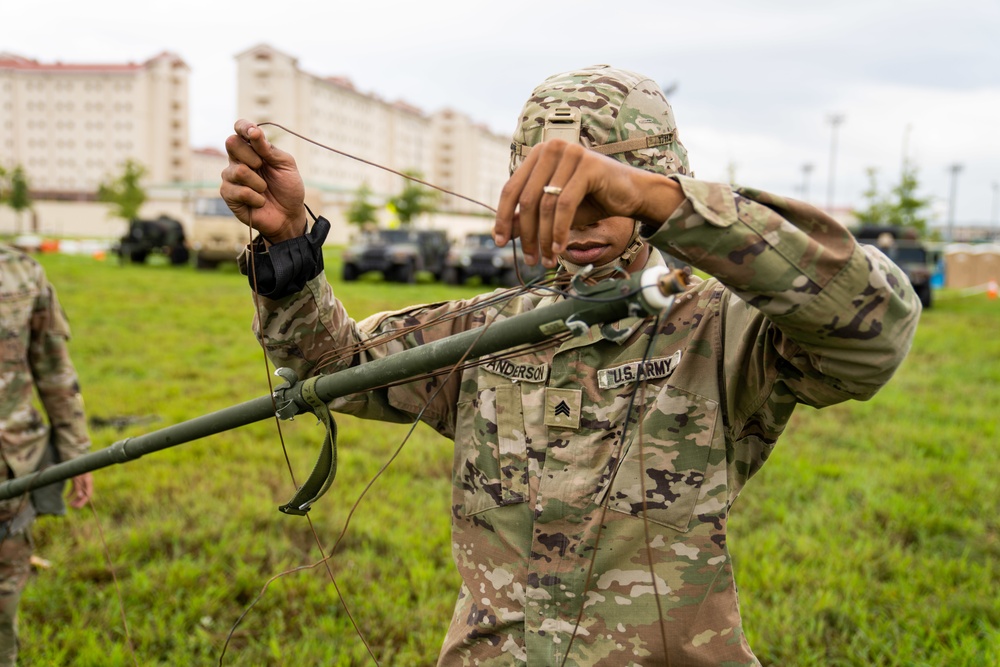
<point x="617" y="112"/>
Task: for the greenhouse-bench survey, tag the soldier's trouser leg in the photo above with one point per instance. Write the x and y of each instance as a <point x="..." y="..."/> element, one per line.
<point x="15" y="567"/>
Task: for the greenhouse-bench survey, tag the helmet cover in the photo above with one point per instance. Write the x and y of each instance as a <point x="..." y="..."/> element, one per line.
<point x="615" y="106"/>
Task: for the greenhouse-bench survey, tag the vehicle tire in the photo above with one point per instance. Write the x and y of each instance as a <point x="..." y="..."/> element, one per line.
<point x="405" y="273"/>
<point x="453" y="276"/>
<point x="349" y="272"/>
<point x="509" y="278"/>
<point x="138" y="256"/>
<point x="925" y="295"/>
<point x="202" y="263"/>
<point x="179" y="255"/>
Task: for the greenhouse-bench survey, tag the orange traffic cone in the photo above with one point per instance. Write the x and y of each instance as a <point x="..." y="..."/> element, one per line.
<point x="991" y="289"/>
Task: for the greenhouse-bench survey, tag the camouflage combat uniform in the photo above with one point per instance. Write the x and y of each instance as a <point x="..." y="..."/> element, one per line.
<point x="34" y="358"/>
<point x="805" y="315"/>
<point x="564" y="488"/>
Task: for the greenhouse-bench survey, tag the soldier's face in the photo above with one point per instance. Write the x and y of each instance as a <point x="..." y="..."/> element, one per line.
<point x="598" y="243"/>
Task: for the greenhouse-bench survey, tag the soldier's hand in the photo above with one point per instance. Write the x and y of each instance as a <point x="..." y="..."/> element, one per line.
<point x="81" y="490"/>
<point x="262" y="185"/>
<point x="587" y="186"/>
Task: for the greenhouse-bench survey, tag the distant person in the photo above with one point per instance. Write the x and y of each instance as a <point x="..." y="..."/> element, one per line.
<point x="34" y="361"/>
<point x="593" y="481"/>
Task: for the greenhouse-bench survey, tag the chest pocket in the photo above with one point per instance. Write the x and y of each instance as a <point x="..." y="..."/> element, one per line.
<point x="663" y="478"/>
<point x="492" y="464"/>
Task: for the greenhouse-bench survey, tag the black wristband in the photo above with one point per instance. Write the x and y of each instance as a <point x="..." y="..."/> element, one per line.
<point x="286" y="267"/>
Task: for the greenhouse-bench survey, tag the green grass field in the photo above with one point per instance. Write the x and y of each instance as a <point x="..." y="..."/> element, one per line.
<point x="872" y="536"/>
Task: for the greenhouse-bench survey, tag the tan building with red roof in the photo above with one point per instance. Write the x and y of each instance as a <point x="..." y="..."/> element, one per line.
<point x="70" y="126"/>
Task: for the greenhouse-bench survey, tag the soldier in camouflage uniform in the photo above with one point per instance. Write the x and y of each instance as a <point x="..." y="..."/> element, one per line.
<point x="590" y="507"/>
<point x="34" y="360"/>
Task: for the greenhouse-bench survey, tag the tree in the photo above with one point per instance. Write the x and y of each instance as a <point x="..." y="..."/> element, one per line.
<point x="413" y="200"/>
<point x="15" y="191"/>
<point x="875" y="211"/>
<point x="909" y="209"/>
<point x="125" y="193"/>
<point x="900" y="207"/>
<point x="361" y="211"/>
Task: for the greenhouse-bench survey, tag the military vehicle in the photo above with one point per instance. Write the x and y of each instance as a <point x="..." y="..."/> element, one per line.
<point x="397" y="253"/>
<point x="479" y="257"/>
<point x="216" y="236"/>
<point x="164" y="235"/>
<point x="903" y="246"/>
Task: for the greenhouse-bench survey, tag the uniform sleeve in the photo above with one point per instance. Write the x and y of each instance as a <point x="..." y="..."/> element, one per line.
<point x="54" y="374"/>
<point x="311" y="333"/>
<point x="819" y="319"/>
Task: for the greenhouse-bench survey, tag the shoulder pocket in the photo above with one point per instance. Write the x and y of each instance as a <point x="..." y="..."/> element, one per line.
<point x="15" y="316"/>
<point x="492" y="462"/>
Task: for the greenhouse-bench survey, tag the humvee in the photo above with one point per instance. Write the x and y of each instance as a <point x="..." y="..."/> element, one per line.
<point x="479" y="257"/>
<point x="397" y="253"/>
<point x="216" y="236"/>
<point x="903" y="246"/>
<point x="163" y="235"/>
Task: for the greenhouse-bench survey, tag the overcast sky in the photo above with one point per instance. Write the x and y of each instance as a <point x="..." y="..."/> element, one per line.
<point x="756" y="82"/>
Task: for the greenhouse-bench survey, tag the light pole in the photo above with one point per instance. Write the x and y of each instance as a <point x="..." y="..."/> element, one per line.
<point x="995" y="235"/>
<point x="835" y="120"/>
<point x="955" y="169"/>
<point x="806" y="170"/>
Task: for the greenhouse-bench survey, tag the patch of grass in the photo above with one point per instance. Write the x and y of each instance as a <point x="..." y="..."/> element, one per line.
<point x="871" y="537"/>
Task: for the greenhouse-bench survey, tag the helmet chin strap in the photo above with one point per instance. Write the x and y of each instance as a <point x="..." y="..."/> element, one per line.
<point x="632" y="250"/>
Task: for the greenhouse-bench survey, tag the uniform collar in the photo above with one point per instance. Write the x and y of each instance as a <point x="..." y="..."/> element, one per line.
<point x="619" y="331"/>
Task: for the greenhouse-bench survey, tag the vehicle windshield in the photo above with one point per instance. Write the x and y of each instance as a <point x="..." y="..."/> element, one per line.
<point x="212" y="206"/>
<point x="912" y="255"/>
<point x="479" y="241"/>
<point x="388" y="236"/>
<point x="475" y="241"/>
<point x="398" y="236"/>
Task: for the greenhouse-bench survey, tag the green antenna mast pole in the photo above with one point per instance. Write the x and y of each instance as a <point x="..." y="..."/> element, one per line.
<point x="645" y="293"/>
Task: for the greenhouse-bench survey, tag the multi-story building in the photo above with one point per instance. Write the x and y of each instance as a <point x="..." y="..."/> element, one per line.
<point x="271" y="87"/>
<point x="72" y="126"/>
<point x="468" y="158"/>
<point x="445" y="148"/>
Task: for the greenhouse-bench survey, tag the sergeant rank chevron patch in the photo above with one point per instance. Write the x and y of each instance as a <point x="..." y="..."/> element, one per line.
<point x="563" y="407"/>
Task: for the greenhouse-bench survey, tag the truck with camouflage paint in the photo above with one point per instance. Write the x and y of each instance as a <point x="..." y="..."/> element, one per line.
<point x="479" y="257"/>
<point x="399" y="254"/>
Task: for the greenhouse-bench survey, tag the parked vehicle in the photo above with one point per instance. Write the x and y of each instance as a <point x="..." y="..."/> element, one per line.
<point x="903" y="246"/>
<point x="216" y="236"/>
<point x="164" y="235"/>
<point x="479" y="257"/>
<point x="399" y="254"/>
